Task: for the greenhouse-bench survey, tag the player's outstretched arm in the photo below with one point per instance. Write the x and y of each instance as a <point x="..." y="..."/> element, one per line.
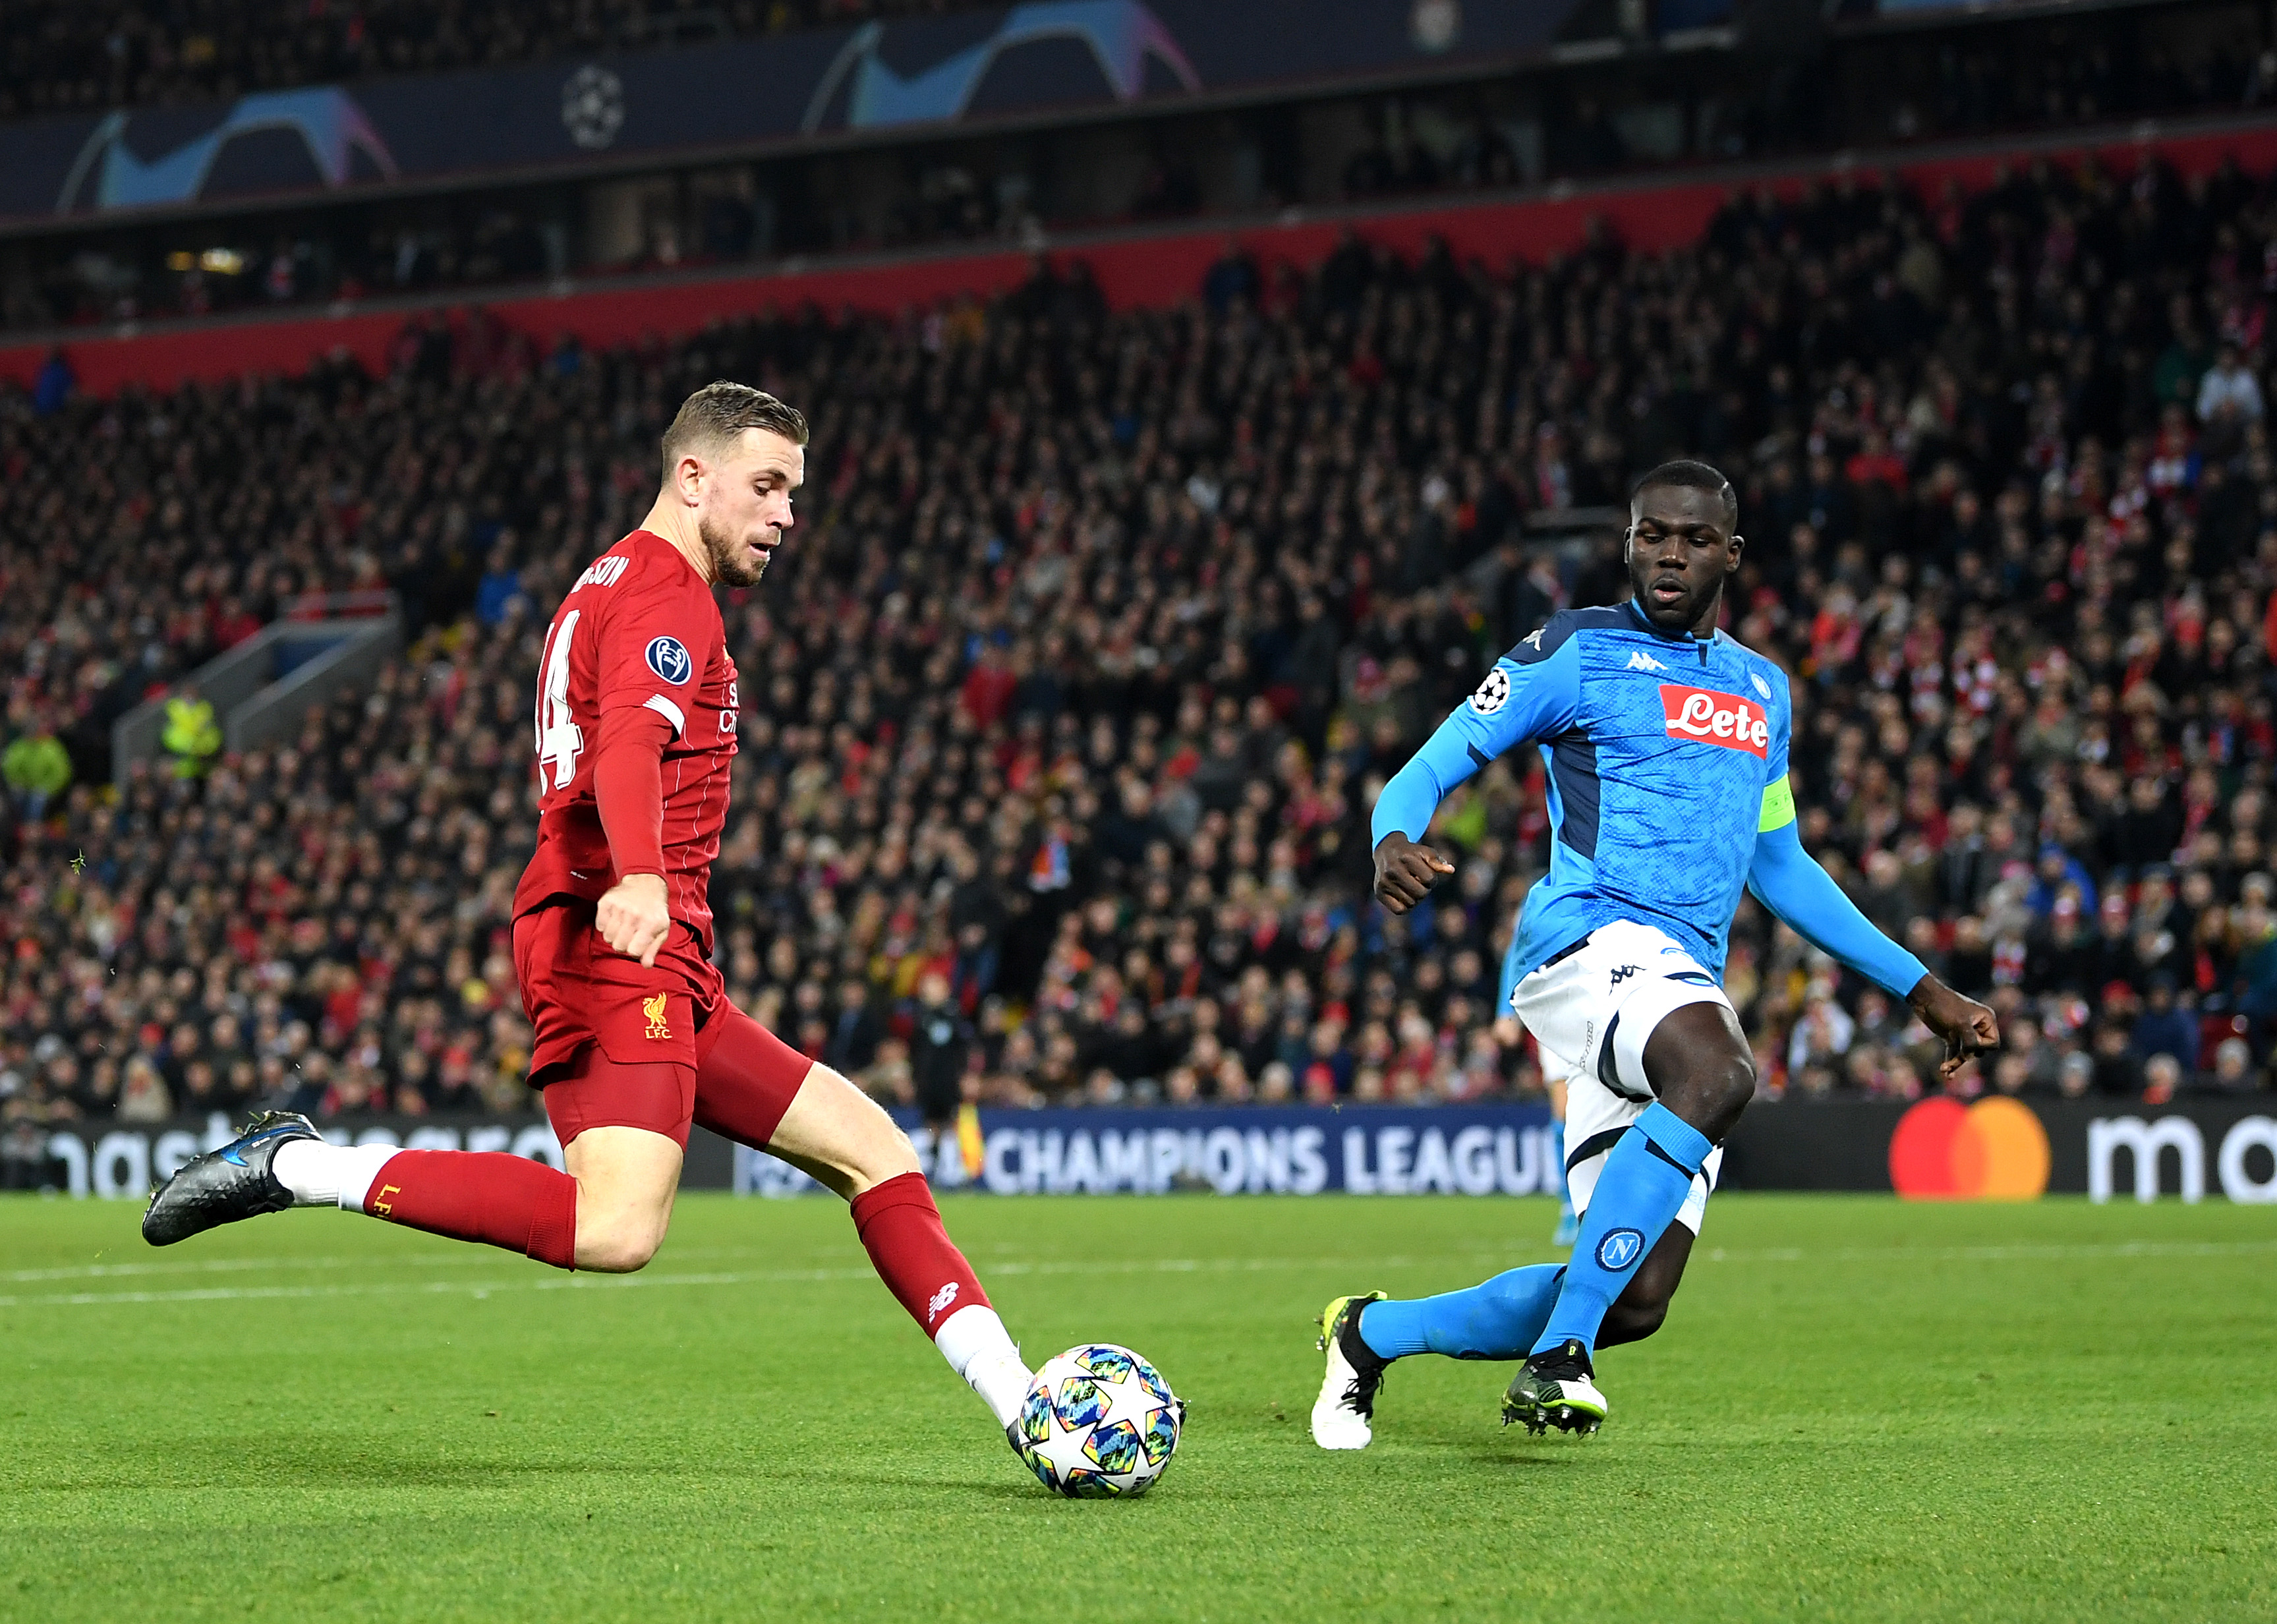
<point x="1788" y="881"/>
<point x="1532" y="691"/>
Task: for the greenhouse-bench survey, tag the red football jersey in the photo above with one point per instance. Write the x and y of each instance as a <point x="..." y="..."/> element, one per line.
<point x="639" y="629"/>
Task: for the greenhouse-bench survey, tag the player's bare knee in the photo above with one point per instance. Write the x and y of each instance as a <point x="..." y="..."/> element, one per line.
<point x="621" y="1247"/>
<point x="1726" y="1084"/>
<point x="857" y="1141"/>
<point x="1710" y="1090"/>
<point x="882" y="1151"/>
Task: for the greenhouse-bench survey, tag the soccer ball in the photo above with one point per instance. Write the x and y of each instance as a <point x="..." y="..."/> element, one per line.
<point x="1099" y="1422"/>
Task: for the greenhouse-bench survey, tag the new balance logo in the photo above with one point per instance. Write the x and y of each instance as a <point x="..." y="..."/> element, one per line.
<point x="941" y="1299"/>
<point x="1643" y="661"/>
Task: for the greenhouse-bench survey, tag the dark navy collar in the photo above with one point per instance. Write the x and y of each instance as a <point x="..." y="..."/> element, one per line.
<point x="1645" y="623"/>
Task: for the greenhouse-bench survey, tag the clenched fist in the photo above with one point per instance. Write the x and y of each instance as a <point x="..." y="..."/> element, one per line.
<point x="632" y="918"/>
<point x="1966" y="1026"/>
<point x="1405" y="872"/>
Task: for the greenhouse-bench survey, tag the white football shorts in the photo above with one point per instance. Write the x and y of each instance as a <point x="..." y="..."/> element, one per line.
<point x="1591" y="1012"/>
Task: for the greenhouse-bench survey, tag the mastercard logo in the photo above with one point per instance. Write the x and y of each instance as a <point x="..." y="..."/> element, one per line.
<point x="1994" y="1150"/>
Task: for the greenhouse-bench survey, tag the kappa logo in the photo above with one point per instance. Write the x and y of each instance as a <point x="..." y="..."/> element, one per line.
<point x="658" y="1009"/>
<point x="1619" y="1249"/>
<point x="941" y="1300"/>
<point x="1643" y="661"/>
<point x="1533" y="639"/>
<point x="1711" y="718"/>
<point x="667" y="657"/>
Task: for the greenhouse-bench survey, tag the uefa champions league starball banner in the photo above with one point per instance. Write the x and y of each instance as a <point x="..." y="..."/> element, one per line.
<point x="750" y="96"/>
<point x="1499" y="1149"/>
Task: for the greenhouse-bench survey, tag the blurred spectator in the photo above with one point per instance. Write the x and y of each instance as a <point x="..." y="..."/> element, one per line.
<point x="24" y="1161"/>
<point x="2163" y="1028"/>
<point x="36" y="768"/>
<point x="54" y="384"/>
<point x="192" y="735"/>
<point x="2229" y="396"/>
<point x="940" y="1039"/>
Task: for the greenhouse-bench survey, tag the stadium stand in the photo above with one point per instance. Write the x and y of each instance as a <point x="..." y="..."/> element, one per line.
<point x="59" y="57"/>
<point x="62" y="57"/>
<point x="1845" y="89"/>
<point x="1101" y="632"/>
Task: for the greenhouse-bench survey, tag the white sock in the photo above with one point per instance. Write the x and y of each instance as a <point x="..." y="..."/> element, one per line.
<point x="323" y="1174"/>
<point x="980" y="1349"/>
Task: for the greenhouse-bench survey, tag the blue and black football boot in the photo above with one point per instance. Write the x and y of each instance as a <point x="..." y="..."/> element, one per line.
<point x="223" y="1186"/>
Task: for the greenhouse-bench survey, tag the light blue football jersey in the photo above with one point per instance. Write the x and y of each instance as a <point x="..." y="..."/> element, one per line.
<point x="1666" y="756"/>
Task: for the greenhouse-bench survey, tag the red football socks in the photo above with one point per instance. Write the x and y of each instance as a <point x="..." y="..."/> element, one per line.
<point x="502" y="1200"/>
<point x="900" y="1229"/>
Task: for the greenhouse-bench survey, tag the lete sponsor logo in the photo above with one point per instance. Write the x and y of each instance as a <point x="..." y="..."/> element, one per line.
<point x="1712" y="717"/>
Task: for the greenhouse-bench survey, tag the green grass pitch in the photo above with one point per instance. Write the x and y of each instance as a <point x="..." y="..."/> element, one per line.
<point x="1858" y="1410"/>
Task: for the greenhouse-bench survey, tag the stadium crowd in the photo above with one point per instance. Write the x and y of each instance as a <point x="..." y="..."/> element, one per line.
<point x="1070" y="696"/>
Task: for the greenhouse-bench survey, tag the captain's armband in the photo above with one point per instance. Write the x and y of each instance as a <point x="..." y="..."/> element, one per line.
<point x="1779" y="806"/>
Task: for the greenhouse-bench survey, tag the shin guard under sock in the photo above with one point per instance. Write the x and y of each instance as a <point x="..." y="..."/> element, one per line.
<point x="489" y="1196"/>
<point x="1640" y="1190"/>
<point x="902" y="1231"/>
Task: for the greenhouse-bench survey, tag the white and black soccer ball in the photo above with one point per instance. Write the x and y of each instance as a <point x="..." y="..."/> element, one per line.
<point x="1099" y="1422"/>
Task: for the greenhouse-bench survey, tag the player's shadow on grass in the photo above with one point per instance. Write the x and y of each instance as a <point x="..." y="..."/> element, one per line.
<point x="491" y="1461"/>
<point x="1499" y="1451"/>
<point x="1015" y="1486"/>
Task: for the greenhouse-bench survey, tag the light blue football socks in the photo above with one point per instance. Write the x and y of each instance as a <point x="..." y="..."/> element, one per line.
<point x="1497" y="1320"/>
<point x="1640" y="1190"/>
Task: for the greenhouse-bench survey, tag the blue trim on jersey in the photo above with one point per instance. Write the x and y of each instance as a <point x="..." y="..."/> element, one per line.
<point x="1634" y="619"/>
<point x="1572" y="763"/>
<point x="1553" y="633"/>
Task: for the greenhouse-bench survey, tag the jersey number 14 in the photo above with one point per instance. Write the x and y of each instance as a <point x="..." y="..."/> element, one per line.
<point x="560" y="740"/>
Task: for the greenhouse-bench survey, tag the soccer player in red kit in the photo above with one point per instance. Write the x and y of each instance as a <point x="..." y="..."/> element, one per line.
<point x="636" y="1037"/>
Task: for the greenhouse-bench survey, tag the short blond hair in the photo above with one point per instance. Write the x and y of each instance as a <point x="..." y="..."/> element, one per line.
<point x="719" y="412"/>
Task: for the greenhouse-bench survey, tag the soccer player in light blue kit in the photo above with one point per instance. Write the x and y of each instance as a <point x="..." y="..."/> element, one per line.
<point x="1666" y="744"/>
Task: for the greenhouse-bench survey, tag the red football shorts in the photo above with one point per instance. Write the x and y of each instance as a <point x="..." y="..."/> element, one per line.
<point x="619" y="1044"/>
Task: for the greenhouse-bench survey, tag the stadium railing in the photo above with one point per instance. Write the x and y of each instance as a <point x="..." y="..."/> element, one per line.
<point x="262" y="688"/>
